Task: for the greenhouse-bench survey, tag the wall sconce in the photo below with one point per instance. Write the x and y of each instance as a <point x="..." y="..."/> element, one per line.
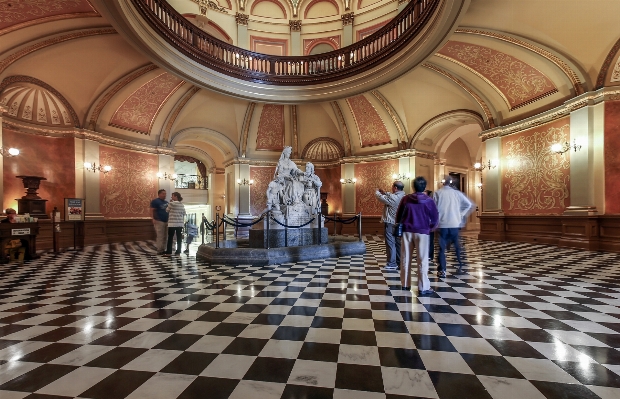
<point x="479" y="185"/>
<point x="404" y="176"/>
<point x="562" y="148"/>
<point x="480" y="166"/>
<point x="245" y="182"/>
<point x="348" y="181"/>
<point x="166" y="176"/>
<point x="91" y="167"/>
<point x="9" y="152"/>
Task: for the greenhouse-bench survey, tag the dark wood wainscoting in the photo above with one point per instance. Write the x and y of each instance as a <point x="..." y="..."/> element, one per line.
<point x="584" y="232"/>
<point x="97" y="232"/>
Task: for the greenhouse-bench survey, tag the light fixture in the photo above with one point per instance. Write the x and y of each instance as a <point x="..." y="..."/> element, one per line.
<point x="166" y="176"/>
<point x="403" y="176"/>
<point x="562" y="148"/>
<point x="92" y="167"/>
<point x="480" y="166"/>
<point x="245" y="182"/>
<point x="348" y="181"/>
<point x="9" y="152"/>
<point x="479" y="185"/>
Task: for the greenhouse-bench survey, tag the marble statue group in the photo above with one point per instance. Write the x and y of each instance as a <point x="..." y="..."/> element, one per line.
<point x="293" y="192"/>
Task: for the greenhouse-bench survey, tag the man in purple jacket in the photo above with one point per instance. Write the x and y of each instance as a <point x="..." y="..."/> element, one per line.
<point x="418" y="214"/>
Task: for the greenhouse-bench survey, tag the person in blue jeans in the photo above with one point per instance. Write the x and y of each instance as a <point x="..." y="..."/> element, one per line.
<point x="454" y="207"/>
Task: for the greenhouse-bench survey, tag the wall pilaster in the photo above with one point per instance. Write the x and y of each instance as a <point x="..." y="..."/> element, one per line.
<point x="492" y="186"/>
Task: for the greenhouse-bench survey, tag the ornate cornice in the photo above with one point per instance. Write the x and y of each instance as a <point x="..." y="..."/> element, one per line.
<point x="177" y="110"/>
<point x="29" y="79"/>
<point x="346" y="138"/>
<point x="443" y="118"/>
<point x="84" y="134"/>
<point x="568" y="71"/>
<point x="348" y="18"/>
<point x="602" y="75"/>
<point x="245" y="129"/>
<point x="242" y="19"/>
<point x="402" y="134"/>
<point x="586" y="99"/>
<point x="115" y="88"/>
<point x="295" y="25"/>
<point x="203" y="5"/>
<point x="483" y="105"/>
<point x="4" y="64"/>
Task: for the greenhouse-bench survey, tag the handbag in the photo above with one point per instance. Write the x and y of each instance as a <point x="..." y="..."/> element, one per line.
<point x="398" y="230"/>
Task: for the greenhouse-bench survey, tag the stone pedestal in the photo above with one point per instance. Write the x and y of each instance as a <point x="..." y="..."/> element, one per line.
<point x="31" y="203"/>
<point x="288" y="237"/>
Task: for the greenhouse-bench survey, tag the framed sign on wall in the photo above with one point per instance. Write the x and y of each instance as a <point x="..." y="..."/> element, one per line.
<point x="74" y="209"/>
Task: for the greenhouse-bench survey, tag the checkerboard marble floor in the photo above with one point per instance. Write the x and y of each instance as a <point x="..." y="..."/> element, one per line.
<point x="526" y="321"/>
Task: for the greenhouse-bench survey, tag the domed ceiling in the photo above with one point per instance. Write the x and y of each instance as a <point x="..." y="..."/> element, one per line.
<point x="497" y="67"/>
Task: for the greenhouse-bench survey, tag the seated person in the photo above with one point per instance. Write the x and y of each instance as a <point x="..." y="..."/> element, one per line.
<point x="14" y="248"/>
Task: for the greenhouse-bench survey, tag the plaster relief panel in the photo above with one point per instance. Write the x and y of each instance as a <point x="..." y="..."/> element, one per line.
<point x="370" y="176"/>
<point x="138" y="112"/>
<point x="612" y="157"/>
<point x="519" y="83"/>
<point x="270" y="134"/>
<point x="535" y="180"/>
<point x="262" y="176"/>
<point x="372" y="130"/>
<point x="127" y="190"/>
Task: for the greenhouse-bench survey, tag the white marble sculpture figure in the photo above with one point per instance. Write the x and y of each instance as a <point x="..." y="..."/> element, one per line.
<point x="292" y="189"/>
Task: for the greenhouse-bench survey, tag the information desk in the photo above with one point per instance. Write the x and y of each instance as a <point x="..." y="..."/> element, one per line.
<point x="26" y="232"/>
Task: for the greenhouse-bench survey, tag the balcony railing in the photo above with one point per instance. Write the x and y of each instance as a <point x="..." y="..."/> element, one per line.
<point x="286" y="70"/>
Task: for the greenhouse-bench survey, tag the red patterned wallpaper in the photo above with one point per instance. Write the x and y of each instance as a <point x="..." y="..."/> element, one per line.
<point x="127" y="190"/>
<point x="138" y="112"/>
<point x="536" y="180"/>
<point x="20" y="12"/>
<point x="330" y="177"/>
<point x="370" y="176"/>
<point x="262" y="176"/>
<point x="270" y="134"/>
<point x="371" y="128"/>
<point x="612" y="157"/>
<point x="520" y="83"/>
<point x="50" y="157"/>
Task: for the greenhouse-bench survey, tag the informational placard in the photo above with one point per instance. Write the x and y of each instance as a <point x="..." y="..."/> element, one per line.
<point x="20" y="232"/>
<point x="74" y="209"/>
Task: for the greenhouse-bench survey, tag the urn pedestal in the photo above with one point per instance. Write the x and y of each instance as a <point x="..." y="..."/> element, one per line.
<point x="31" y="202"/>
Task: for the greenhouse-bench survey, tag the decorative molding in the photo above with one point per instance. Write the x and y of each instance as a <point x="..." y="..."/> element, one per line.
<point x="602" y="75"/>
<point x="40" y="9"/>
<point x="589" y="98"/>
<point x="28" y="79"/>
<point x="203" y="5"/>
<point x="481" y="103"/>
<point x="242" y="19"/>
<point x="295" y="25"/>
<point x="446" y="116"/>
<point x="402" y="133"/>
<point x="348" y="18"/>
<point x="518" y="83"/>
<point x="113" y="89"/>
<point x="84" y="134"/>
<point x="370" y="126"/>
<point x="270" y="133"/>
<point x="277" y="3"/>
<point x="4" y="64"/>
<point x="568" y="71"/>
<point x="313" y="2"/>
<point x="177" y="110"/>
<point x="243" y="144"/>
<point x="323" y="149"/>
<point x="194" y="150"/>
<point x="615" y="73"/>
<point x="309" y="44"/>
<point x="294" y="131"/>
<point x="346" y="138"/>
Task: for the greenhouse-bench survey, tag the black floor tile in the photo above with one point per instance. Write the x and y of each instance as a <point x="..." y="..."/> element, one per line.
<point x="49" y="353"/>
<point x="245" y="346"/>
<point x="459" y="330"/>
<point x="116" y="338"/>
<point x="116" y="358"/>
<point x="306" y="392"/>
<point x="433" y="342"/>
<point x="192" y="363"/>
<point x="491" y="365"/>
<point x="228" y="329"/>
<point x="117" y="385"/>
<point x="399" y="357"/>
<point x="36" y="379"/>
<point x="359" y="377"/>
<point x="270" y="369"/>
<point x="290" y="333"/>
<point x="327" y="322"/>
<point x="269" y="319"/>
<point x="462" y="386"/>
<point x="353" y="337"/>
<point x="553" y="390"/>
<point x="319" y="352"/>
<point x="591" y="373"/>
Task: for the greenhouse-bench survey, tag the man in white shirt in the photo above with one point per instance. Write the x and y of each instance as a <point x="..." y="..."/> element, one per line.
<point x="391" y="202"/>
<point x="453" y="207"/>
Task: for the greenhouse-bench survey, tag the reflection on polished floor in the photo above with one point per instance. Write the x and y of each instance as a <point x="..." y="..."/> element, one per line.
<point x="527" y="321"/>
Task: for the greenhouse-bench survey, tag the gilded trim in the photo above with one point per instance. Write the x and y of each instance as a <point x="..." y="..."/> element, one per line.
<point x="602" y="75"/>
<point x="568" y="71"/>
<point x="116" y="87"/>
<point x="483" y="105"/>
<point x="402" y="133"/>
<point x="4" y="64"/>
<point x="175" y="113"/>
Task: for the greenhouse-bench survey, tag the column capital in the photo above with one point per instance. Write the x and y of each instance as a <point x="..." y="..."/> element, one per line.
<point x="242" y="19"/>
<point x="348" y="18"/>
<point x="295" y="25"/>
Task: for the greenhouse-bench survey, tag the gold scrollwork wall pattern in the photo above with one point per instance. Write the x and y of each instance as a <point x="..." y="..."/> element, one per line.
<point x="536" y="179"/>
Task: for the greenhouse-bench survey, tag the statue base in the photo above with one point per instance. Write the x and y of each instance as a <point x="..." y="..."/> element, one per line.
<point x="288" y="237"/>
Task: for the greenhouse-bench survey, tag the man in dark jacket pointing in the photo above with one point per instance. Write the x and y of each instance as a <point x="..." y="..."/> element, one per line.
<point x="418" y="214"/>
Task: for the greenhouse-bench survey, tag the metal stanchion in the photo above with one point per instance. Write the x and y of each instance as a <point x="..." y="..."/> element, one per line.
<point x="359" y="225"/>
<point x="267" y="230"/>
<point x="204" y="227"/>
<point x="335" y="216"/>
<point x="217" y="230"/>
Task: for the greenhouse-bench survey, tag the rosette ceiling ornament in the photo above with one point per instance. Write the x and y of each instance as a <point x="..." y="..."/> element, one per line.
<point x="259" y="77"/>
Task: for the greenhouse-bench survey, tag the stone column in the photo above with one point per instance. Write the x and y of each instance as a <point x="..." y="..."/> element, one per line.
<point x="347" y="28"/>
<point x="295" y="26"/>
<point x="3" y="109"/>
<point x="243" y="199"/>
<point x="406" y="166"/>
<point x="492" y="185"/>
<point x="347" y="171"/>
<point x="91" y="180"/>
<point x="586" y="160"/>
<point x="242" y="30"/>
